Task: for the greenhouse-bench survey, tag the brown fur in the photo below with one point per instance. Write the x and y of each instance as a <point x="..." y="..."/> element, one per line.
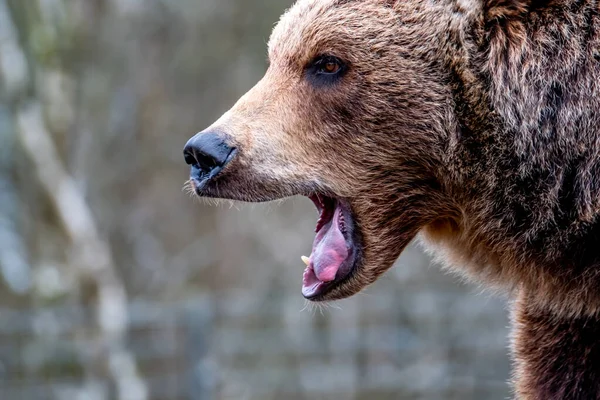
<point x="556" y="357"/>
<point x="473" y="123"/>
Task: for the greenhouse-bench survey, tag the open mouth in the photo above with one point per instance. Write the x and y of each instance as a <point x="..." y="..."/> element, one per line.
<point x="335" y="249"/>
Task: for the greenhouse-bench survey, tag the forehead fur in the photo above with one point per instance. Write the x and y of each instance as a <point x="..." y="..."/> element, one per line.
<point x="313" y="27"/>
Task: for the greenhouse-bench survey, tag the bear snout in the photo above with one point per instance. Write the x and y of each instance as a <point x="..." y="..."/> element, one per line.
<point x="207" y="153"/>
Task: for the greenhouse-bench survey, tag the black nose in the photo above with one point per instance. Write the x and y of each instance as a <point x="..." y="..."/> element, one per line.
<point x="208" y="152"/>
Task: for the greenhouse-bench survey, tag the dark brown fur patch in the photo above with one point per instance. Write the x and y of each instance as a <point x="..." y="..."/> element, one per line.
<point x="509" y="9"/>
<point x="556" y="358"/>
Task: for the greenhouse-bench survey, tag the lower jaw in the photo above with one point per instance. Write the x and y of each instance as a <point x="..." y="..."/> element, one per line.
<point x="316" y="291"/>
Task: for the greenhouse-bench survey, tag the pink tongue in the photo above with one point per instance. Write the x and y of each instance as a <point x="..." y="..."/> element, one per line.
<point x="329" y="250"/>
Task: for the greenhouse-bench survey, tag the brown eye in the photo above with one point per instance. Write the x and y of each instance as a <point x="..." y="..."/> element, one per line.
<point x="331" y="67"/>
<point x="326" y="70"/>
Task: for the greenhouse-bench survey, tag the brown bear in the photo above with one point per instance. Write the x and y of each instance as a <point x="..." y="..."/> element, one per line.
<point x="473" y="124"/>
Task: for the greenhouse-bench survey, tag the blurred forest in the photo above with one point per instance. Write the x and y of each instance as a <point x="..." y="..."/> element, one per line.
<point x="116" y="285"/>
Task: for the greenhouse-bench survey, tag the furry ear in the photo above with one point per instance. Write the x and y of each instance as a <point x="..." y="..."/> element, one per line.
<point x="509" y="9"/>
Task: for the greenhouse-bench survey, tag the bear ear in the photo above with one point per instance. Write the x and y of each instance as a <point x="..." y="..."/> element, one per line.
<point x="508" y="9"/>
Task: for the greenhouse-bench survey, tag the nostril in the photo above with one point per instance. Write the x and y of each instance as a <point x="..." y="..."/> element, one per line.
<point x="199" y="160"/>
<point x="208" y="152"/>
<point x="206" y="162"/>
<point x="190" y="158"/>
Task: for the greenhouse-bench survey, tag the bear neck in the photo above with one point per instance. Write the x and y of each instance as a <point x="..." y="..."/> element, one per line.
<point x="522" y="171"/>
<point x="524" y="174"/>
<point x="555" y="357"/>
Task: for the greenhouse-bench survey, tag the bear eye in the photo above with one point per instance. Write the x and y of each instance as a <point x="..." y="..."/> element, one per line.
<point x="325" y="70"/>
<point x="329" y="67"/>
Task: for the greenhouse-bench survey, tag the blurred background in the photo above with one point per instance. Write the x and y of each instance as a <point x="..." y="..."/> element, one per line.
<point x="115" y="284"/>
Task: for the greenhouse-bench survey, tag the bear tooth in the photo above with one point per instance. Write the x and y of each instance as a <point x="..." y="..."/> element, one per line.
<point x="305" y="260"/>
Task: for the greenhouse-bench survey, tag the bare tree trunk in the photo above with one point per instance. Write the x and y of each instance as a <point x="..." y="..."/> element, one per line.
<point x="89" y="251"/>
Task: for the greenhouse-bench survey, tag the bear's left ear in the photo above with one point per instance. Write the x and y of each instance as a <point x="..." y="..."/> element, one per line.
<point x="509" y="9"/>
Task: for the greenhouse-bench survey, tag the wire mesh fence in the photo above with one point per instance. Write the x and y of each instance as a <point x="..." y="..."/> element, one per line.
<point x="207" y="348"/>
